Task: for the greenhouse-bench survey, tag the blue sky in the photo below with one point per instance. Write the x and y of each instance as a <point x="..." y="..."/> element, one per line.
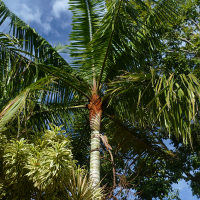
<point x="185" y="191"/>
<point x="52" y="19"/>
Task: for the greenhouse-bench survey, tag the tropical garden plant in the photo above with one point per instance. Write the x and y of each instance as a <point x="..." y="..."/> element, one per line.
<point x="43" y="169"/>
<point x="116" y="78"/>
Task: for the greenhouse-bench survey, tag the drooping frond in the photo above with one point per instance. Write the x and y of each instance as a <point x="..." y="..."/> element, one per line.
<point x="128" y="137"/>
<point x="127" y="37"/>
<point x="136" y="37"/>
<point x="16" y="70"/>
<point x="27" y="58"/>
<point x="30" y="40"/>
<point x="51" y="105"/>
<point x="152" y="100"/>
<point x="16" y="106"/>
<point x="68" y="78"/>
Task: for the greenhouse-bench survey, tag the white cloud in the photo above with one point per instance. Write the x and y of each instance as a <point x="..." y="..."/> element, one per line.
<point x="59" y="7"/>
<point x="27" y="11"/>
<point x="29" y="14"/>
<point x="34" y="15"/>
<point x="65" y="25"/>
<point x="43" y="15"/>
<point x="46" y="27"/>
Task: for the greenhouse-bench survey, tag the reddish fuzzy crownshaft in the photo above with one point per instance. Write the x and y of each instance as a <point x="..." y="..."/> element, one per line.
<point x="95" y="106"/>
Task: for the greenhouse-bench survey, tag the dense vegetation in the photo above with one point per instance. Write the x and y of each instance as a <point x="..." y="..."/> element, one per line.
<point x="134" y="72"/>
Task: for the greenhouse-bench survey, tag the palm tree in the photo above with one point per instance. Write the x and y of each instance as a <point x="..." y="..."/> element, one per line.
<point x="112" y="44"/>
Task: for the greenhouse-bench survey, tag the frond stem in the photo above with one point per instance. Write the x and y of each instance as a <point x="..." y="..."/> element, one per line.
<point x="89" y="19"/>
<point x="79" y="106"/>
<point x="91" y="35"/>
<point x="108" y="48"/>
<point x="67" y="82"/>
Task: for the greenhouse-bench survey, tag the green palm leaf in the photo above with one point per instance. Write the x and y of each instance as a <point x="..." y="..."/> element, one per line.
<point x="16" y="107"/>
<point x="87" y="15"/>
<point x="134" y="38"/>
<point x="30" y="40"/>
<point x="170" y="102"/>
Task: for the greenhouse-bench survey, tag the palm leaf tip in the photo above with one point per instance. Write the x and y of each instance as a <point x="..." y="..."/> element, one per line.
<point x="17" y="105"/>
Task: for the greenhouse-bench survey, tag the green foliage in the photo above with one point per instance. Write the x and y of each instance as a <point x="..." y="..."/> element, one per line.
<point x="159" y="100"/>
<point x="17" y="105"/>
<point x="29" y="39"/>
<point x="43" y="169"/>
<point x="144" y="56"/>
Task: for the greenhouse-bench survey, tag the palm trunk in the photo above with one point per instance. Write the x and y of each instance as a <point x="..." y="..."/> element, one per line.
<point x="95" y="153"/>
<point x="95" y="121"/>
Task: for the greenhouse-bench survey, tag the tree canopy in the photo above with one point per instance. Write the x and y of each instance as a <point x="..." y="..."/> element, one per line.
<point x="134" y="72"/>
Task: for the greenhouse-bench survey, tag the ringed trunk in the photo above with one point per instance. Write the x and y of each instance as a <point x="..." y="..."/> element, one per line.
<point x="95" y="108"/>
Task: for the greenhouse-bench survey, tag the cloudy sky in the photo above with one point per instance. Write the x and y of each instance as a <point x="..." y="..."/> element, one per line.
<point x="52" y="19"/>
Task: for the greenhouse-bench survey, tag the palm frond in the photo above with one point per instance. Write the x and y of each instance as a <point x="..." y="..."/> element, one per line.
<point x="17" y="106"/>
<point x="87" y="15"/>
<point x="128" y="37"/>
<point x="17" y="74"/>
<point x="16" y="70"/>
<point x="140" y="140"/>
<point x="159" y="101"/>
<point x="69" y="78"/>
<point x="30" y="40"/>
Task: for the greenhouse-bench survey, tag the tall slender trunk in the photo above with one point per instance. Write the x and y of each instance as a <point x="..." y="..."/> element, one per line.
<point x="95" y="120"/>
<point x="95" y="108"/>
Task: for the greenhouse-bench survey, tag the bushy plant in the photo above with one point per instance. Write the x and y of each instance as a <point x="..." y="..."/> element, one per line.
<point x="43" y="169"/>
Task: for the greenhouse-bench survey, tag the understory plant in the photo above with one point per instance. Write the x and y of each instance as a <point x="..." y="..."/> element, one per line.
<point x="42" y="168"/>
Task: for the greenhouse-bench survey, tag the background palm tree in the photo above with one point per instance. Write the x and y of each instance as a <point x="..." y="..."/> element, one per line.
<point x="113" y="72"/>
